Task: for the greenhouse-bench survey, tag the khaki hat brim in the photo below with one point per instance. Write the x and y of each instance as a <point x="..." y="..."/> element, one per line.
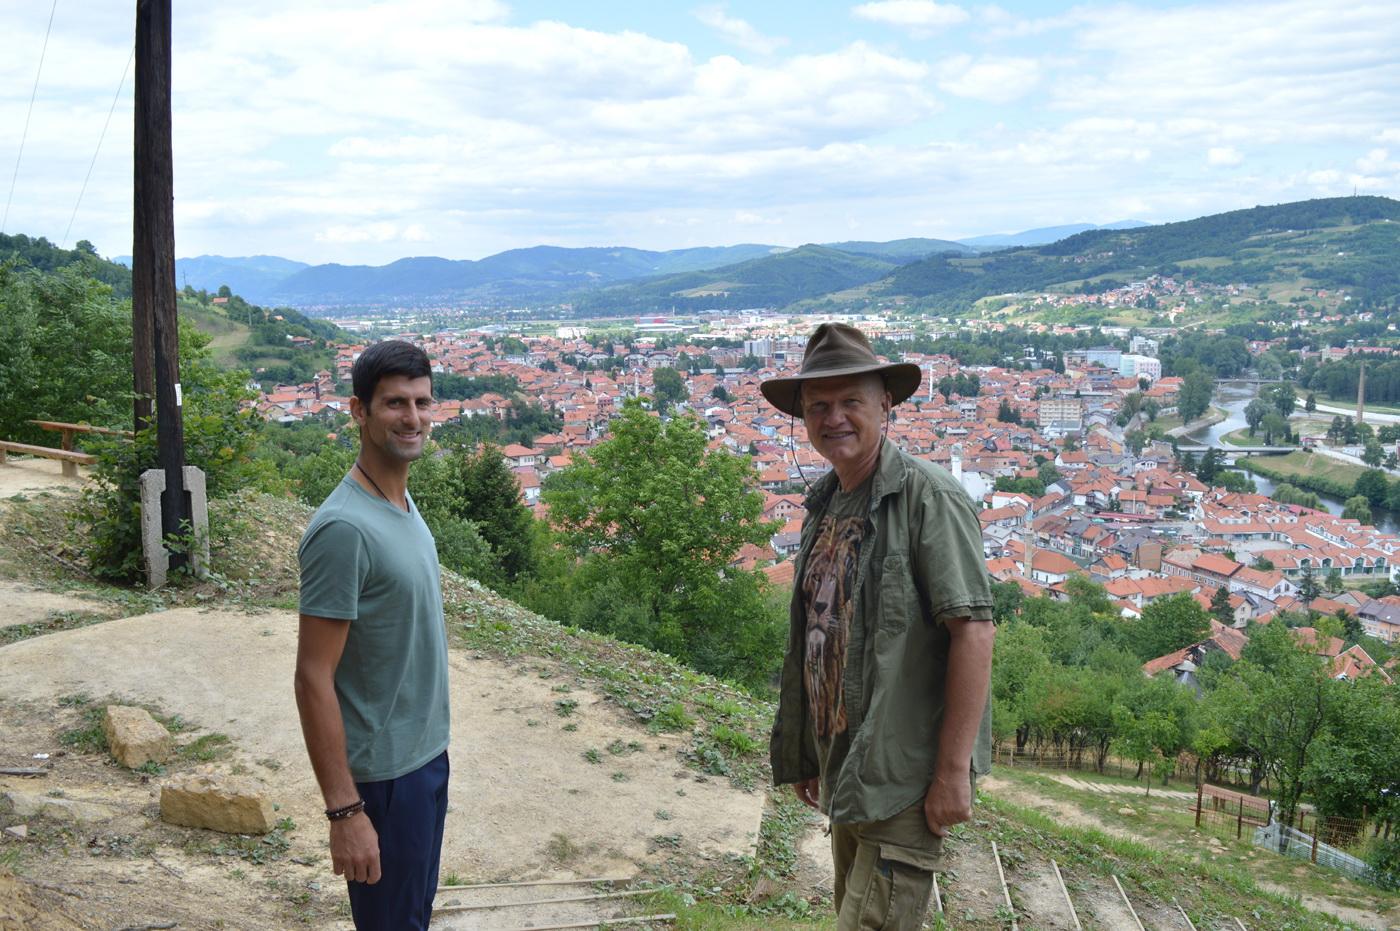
<point x="901" y="381"/>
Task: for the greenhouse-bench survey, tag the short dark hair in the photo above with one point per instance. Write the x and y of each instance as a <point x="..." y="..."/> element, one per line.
<point x="390" y="357"/>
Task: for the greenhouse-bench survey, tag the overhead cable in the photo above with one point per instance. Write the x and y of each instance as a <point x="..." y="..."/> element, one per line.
<point x="83" y="189"/>
<point x="4" y="220"/>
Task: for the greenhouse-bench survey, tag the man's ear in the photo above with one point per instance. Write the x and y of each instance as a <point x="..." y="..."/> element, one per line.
<point x="357" y="410"/>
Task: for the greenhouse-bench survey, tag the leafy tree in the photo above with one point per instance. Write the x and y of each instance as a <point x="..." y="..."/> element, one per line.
<point x="1263" y="564"/>
<point x="1352" y="762"/>
<point x="1169" y="624"/>
<point x="720" y="394"/>
<point x="1195" y="394"/>
<point x="1007" y="599"/>
<point x="1279" y="694"/>
<point x="1275" y="427"/>
<point x="655" y="519"/>
<point x="1373" y="486"/>
<point x="1220" y="607"/>
<point x="1310" y="405"/>
<point x="1254" y="413"/>
<point x="670" y="389"/>
<point x="1373" y="455"/>
<point x="1357" y="508"/>
<point x="1006" y="413"/>
<point x="1333" y="583"/>
<point x="1284" y="399"/>
<point x="1268" y="367"/>
<point x="1155" y="720"/>
<point x="1307" y="585"/>
<point x="65" y="353"/>
<point x="487" y="493"/>
<point x="1211" y="465"/>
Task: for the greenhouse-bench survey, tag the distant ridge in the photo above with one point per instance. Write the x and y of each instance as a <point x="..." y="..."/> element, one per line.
<point x="1044" y="235"/>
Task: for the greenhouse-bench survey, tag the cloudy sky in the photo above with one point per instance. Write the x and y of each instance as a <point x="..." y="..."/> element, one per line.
<point x="361" y="132"/>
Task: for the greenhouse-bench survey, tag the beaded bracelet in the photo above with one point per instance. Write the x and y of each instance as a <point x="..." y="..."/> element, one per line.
<point x="340" y="814"/>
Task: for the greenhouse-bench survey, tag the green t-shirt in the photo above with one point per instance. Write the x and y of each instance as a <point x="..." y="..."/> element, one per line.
<point x="366" y="562"/>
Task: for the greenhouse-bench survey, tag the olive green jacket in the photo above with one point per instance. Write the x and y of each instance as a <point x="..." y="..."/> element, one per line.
<point x="920" y="564"/>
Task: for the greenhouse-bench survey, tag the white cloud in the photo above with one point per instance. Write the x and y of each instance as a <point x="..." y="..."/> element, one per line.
<point x="1376" y="161"/>
<point x="741" y="32"/>
<point x="995" y="80"/>
<point x="921" y="17"/>
<point x="381" y="232"/>
<point x="1223" y="156"/>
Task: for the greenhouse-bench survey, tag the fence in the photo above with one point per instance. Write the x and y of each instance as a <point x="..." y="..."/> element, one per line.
<point x="1230" y="811"/>
<point x="1291" y="842"/>
<point x="1057" y="757"/>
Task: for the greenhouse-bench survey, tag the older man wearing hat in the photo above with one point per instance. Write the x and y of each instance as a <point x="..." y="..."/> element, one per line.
<point x="884" y="716"/>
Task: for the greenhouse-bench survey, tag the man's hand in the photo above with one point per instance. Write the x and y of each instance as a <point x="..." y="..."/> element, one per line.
<point x="948" y="802"/>
<point x="809" y="791"/>
<point x="355" y="849"/>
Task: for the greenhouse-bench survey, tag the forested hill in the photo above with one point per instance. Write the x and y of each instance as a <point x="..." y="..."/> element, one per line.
<point x="243" y="333"/>
<point x="44" y="256"/>
<point x="773" y="281"/>
<point x="1342" y="242"/>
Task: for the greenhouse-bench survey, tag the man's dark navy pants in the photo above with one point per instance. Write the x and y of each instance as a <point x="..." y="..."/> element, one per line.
<point x="408" y="814"/>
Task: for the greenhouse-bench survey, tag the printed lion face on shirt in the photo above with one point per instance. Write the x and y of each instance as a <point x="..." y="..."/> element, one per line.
<point x="828" y="584"/>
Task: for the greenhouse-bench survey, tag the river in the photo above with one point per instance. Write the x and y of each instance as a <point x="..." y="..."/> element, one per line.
<point x="1232" y="399"/>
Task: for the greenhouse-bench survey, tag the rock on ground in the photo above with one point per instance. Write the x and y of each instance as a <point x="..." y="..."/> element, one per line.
<point x="231" y="804"/>
<point x="134" y="737"/>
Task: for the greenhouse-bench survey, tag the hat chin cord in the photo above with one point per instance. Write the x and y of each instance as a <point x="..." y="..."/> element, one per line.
<point x="792" y="443"/>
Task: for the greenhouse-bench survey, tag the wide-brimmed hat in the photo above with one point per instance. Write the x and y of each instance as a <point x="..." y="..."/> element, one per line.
<point x="837" y="350"/>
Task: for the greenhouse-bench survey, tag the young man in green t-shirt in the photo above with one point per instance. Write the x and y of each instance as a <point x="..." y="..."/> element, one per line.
<point x="371" y="674"/>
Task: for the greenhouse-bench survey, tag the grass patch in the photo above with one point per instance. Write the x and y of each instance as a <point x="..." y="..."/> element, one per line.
<point x="207" y="748"/>
<point x="58" y="620"/>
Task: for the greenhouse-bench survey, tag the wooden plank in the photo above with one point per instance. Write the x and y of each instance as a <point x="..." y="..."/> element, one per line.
<point x="560" y="901"/>
<point x="1005" y="890"/>
<point x="1184" y="917"/>
<point x="1132" y="911"/>
<point x="23" y="771"/>
<point x="599" y="923"/>
<point x="60" y="426"/>
<point x="1241" y="925"/>
<point x="47" y="451"/>
<point x="1074" y="916"/>
<point x="537" y="882"/>
<point x="937" y="896"/>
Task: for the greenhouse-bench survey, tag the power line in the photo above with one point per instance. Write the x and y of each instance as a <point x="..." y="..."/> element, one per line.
<point x="4" y="221"/>
<point x="83" y="189"/>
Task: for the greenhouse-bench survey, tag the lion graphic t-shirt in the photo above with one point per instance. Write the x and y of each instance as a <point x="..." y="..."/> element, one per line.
<point x="828" y="587"/>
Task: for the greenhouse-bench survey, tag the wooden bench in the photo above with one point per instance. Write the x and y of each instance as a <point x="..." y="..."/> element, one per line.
<point x="68" y="429"/>
<point x="70" y="459"/>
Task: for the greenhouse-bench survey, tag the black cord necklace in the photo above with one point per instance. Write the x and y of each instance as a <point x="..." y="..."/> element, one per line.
<point x="373" y="482"/>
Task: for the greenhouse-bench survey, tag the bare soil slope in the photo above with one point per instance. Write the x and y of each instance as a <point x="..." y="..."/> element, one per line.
<point x="529" y="798"/>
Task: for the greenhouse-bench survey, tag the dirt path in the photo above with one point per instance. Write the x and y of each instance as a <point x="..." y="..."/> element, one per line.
<point x="535" y="791"/>
<point x="24" y="604"/>
<point x="29" y="476"/>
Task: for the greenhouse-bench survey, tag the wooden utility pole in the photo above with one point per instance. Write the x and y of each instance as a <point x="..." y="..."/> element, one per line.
<point x="155" y="325"/>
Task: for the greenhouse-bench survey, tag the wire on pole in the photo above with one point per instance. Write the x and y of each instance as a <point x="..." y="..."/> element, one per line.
<point x="5" y="220"/>
<point x="93" y="163"/>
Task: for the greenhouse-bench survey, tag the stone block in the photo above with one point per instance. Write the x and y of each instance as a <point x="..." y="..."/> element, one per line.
<point x="35" y="804"/>
<point x="231" y="804"/>
<point x="134" y="737"/>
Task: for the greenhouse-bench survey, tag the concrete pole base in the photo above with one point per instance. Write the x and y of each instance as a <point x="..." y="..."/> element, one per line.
<point x="153" y="551"/>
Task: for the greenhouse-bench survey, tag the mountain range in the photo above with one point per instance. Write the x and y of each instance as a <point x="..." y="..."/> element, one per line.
<point x="535" y="273"/>
<point x="1349" y="244"/>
